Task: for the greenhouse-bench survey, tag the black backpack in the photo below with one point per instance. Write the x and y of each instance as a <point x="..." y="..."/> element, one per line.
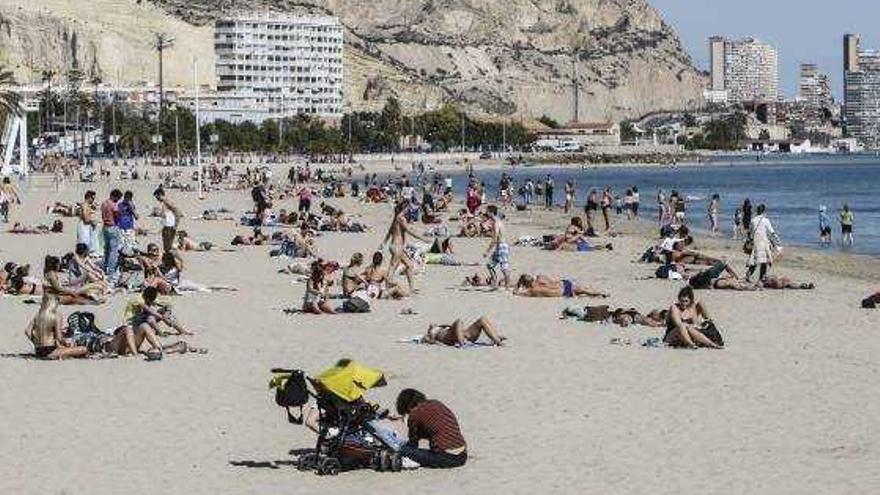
<point x="294" y="393"/>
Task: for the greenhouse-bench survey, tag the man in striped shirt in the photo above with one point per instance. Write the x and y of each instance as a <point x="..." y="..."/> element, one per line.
<point x="431" y="420"/>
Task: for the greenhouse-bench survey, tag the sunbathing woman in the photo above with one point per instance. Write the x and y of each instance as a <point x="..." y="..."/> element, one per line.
<point x="315" y="298"/>
<point x="46" y="332"/>
<point x="458" y="335"/>
<point x="779" y="283"/>
<point x="684" y="323"/>
<point x="631" y="316"/>
<point x="66" y="295"/>
<point x="543" y="286"/>
<point x="86" y="274"/>
<point x="351" y="280"/>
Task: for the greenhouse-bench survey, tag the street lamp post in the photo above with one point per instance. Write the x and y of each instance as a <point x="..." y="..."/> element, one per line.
<point x="198" y="129"/>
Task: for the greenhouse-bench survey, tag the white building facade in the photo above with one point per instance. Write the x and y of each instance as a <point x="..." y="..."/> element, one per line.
<point x="272" y="66"/>
<point x="863" y="100"/>
<point x="742" y="71"/>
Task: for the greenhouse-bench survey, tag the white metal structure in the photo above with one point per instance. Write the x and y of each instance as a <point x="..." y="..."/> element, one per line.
<point x="15" y="131"/>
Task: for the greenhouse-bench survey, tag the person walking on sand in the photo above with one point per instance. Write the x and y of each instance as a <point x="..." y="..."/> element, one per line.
<point x="765" y="242"/>
<point x="498" y="251"/>
<point x="111" y="235"/>
<point x="846" y="225"/>
<point x="396" y="241"/>
<point x="8" y="195"/>
<point x="824" y="226"/>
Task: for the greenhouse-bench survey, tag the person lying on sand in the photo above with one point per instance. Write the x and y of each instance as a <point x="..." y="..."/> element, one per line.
<point x="477" y="280"/>
<point x="714" y="278"/>
<point x="257" y="239"/>
<point x="780" y="283"/>
<point x="457" y="335"/>
<point x="63" y="209"/>
<point x="543" y="286"/>
<point x="186" y="243"/>
<point x="687" y="323"/>
<point x="56" y="228"/>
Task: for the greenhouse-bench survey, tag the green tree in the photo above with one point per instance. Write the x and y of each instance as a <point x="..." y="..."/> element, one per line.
<point x="549" y="122"/>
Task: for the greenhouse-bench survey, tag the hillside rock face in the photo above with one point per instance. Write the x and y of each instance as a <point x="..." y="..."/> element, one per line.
<point x="498" y="57"/>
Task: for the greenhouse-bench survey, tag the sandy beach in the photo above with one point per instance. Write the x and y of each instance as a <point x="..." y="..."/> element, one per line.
<point x="788" y="407"/>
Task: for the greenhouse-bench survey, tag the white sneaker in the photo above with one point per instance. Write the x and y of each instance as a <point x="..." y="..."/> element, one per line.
<point x="407" y="463"/>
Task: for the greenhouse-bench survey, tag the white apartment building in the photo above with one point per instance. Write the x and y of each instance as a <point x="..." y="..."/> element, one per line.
<point x="814" y="88"/>
<point x="863" y="99"/>
<point x="271" y="66"/>
<point x="743" y="71"/>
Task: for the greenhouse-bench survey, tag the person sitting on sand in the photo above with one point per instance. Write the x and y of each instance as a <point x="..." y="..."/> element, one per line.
<point x="378" y="284"/>
<point x="687" y="321"/>
<point x="574" y="239"/>
<point x="52" y="284"/>
<point x="351" y="280"/>
<point x="144" y="313"/>
<point x="85" y="273"/>
<point x="457" y="335"/>
<point x="46" y="332"/>
<point x="780" y="283"/>
<point x="543" y="286"/>
<point x="431" y="420"/>
<point x="315" y="298"/>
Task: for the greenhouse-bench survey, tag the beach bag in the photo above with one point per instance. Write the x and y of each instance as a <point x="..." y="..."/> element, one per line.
<point x="293" y="393"/>
<point x="871" y="302"/>
<point x="596" y="313"/>
<point x="356" y="304"/>
<point x="748" y="245"/>
<point x="711" y="332"/>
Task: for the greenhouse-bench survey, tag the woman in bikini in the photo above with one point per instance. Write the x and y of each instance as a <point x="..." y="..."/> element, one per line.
<point x="684" y="322"/>
<point x="351" y="280"/>
<point x="315" y="298"/>
<point x="66" y="295"/>
<point x="458" y="335"/>
<point x="543" y="286"/>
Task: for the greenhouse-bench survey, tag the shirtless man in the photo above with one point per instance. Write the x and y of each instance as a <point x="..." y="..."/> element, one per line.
<point x="397" y="233"/>
<point x="46" y="332"/>
<point x="88" y="221"/>
<point x="543" y="286"/>
<point x="498" y="249"/>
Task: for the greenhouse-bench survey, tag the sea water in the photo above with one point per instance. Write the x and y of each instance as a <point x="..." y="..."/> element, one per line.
<point x="791" y="187"/>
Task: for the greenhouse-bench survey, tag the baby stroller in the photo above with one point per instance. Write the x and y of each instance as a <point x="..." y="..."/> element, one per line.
<point x="347" y="436"/>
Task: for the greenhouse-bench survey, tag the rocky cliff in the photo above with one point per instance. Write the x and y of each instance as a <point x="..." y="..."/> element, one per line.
<point x="502" y="57"/>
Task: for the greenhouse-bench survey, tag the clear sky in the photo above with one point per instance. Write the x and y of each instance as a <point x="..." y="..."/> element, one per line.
<point x="801" y="30"/>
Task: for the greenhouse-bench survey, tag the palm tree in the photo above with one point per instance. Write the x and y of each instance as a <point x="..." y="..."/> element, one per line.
<point x="9" y="99"/>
